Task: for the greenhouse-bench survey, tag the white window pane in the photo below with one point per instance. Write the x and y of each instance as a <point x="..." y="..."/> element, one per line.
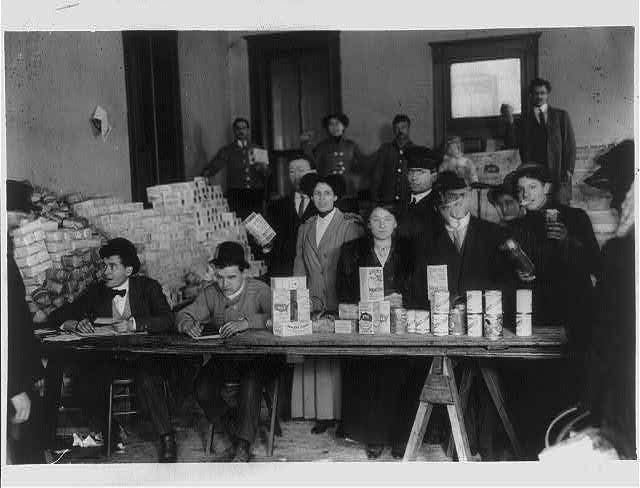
<point x="479" y="88"/>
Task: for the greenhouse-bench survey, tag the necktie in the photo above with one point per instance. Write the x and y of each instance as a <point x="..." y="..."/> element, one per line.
<point x="120" y="293"/>
<point x="457" y="239"/>
<point x="543" y="122"/>
<point x="301" y="207"/>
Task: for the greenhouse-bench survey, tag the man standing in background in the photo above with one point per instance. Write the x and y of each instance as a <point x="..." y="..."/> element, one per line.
<point x="547" y="138"/>
<point x="246" y="177"/>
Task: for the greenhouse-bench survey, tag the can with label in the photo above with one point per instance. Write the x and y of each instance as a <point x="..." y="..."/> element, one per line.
<point x="411" y="321"/>
<point x="398" y="321"/>
<point x="493" y="326"/>
<point x="523" y="324"/>
<point x="474" y="325"/>
<point x="440" y="303"/>
<point x="493" y="302"/>
<point x="458" y="319"/>
<point x="474" y="302"/>
<point x="423" y="325"/>
<point x="440" y="324"/>
<point x="524" y="300"/>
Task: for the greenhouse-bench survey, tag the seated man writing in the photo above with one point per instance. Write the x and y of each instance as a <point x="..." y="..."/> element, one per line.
<point x="134" y="304"/>
<point x="232" y="304"/>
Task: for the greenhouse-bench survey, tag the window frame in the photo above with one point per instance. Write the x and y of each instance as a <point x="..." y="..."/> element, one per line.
<point x="444" y="54"/>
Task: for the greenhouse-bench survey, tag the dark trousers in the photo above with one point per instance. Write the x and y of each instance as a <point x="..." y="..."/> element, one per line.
<point x="92" y="380"/>
<point x="24" y="441"/>
<point x="210" y="391"/>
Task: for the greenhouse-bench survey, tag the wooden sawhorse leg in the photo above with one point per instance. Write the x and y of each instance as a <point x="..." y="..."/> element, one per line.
<point x="439" y="389"/>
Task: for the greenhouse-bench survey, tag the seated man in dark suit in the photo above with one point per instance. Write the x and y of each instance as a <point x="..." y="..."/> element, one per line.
<point x="136" y="304"/>
<point x="285" y="216"/>
<point x="469" y="247"/>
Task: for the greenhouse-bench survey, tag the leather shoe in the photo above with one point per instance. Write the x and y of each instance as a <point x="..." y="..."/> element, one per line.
<point x="374" y="451"/>
<point x="321" y="426"/>
<point x="243" y="452"/>
<point x="397" y="451"/>
<point x="168" y="449"/>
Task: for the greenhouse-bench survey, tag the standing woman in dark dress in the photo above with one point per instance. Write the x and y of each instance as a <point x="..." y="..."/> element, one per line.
<point x="377" y="405"/>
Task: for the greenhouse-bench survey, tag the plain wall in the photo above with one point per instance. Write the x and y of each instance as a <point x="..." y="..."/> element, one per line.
<point x="204" y="85"/>
<point x="53" y="83"/>
<point x="388" y="72"/>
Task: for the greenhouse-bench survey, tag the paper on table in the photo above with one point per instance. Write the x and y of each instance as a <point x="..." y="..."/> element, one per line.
<point x="436" y="279"/>
<point x="62" y="338"/>
<point x="106" y="331"/>
<point x="212" y="336"/>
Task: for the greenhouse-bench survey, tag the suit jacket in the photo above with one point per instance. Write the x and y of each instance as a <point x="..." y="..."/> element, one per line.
<point x="419" y="219"/>
<point x="360" y="253"/>
<point x="342" y="157"/>
<point x="148" y="304"/>
<point x="320" y="263"/>
<point x="390" y="181"/>
<point x="561" y="144"/>
<point x="283" y="217"/>
<point x="240" y="173"/>
<point x="23" y="357"/>
<point x="479" y="266"/>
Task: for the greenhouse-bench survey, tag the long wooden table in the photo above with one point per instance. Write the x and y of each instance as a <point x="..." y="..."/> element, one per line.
<point x="439" y="386"/>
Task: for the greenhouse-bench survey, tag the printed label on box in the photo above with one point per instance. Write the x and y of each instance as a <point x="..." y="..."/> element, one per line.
<point x="371" y="284"/>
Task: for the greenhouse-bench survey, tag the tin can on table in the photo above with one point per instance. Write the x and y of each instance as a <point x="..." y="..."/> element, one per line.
<point x="474" y="302"/>
<point x="440" y="324"/>
<point x="411" y="321"/>
<point x="523" y="324"/>
<point x="493" y="302"/>
<point x="458" y="319"/>
<point x="474" y="325"/>
<point x="493" y="326"/>
<point x="524" y="300"/>
<point x="423" y="325"/>
<point x="440" y="303"/>
<point x="398" y="321"/>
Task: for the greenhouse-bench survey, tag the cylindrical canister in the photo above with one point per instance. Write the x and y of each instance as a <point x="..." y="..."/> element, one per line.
<point x="457" y="320"/>
<point x="524" y="300"/>
<point x="493" y="302"/>
<point x="440" y="324"/>
<point x="411" y="321"/>
<point x="440" y="303"/>
<point x="474" y="325"/>
<point x="474" y="302"/>
<point x="523" y="324"/>
<point x="399" y="321"/>
<point x="493" y="326"/>
<point x="423" y="325"/>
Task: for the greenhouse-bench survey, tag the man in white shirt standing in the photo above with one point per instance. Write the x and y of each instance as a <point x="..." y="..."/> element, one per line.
<point x="286" y="214"/>
<point x="548" y="139"/>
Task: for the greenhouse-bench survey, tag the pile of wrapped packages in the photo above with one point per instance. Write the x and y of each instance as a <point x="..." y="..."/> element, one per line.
<point x="56" y="247"/>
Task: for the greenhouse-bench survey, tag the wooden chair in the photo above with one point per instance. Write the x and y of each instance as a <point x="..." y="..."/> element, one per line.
<point x="271" y="401"/>
<point x="129" y="394"/>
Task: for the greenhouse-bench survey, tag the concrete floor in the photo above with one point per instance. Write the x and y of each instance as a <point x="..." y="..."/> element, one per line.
<point x="192" y="430"/>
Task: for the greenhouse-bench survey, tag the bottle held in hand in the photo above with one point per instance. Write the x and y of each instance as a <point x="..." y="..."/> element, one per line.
<point x="517" y="255"/>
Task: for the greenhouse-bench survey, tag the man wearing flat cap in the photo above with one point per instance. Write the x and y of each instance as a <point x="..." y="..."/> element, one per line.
<point x="134" y="304"/>
<point x="390" y="170"/>
<point x="337" y="154"/>
<point x="469" y="247"/>
<point x="232" y="304"/>
<point x="419" y="214"/>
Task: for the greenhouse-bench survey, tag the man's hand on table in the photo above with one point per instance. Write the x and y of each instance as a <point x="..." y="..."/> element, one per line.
<point x="191" y="328"/>
<point x="233" y="327"/>
<point x="85" y="326"/>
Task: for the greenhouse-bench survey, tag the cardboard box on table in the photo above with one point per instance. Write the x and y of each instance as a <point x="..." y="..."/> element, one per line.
<point x="375" y="317"/>
<point x="291" y="312"/>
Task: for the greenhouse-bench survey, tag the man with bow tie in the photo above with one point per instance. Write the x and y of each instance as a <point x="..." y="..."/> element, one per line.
<point x="135" y="304"/>
<point x="246" y="178"/>
<point x="548" y="139"/>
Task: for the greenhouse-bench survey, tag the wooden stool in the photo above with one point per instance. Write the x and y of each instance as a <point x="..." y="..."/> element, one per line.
<point x="118" y="413"/>
<point x="274" y="423"/>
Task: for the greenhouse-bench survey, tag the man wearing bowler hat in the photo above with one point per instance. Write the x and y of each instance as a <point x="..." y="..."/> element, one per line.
<point x="231" y="305"/>
<point x="135" y="304"/>
<point x="337" y="154"/>
<point x="419" y="214"/>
